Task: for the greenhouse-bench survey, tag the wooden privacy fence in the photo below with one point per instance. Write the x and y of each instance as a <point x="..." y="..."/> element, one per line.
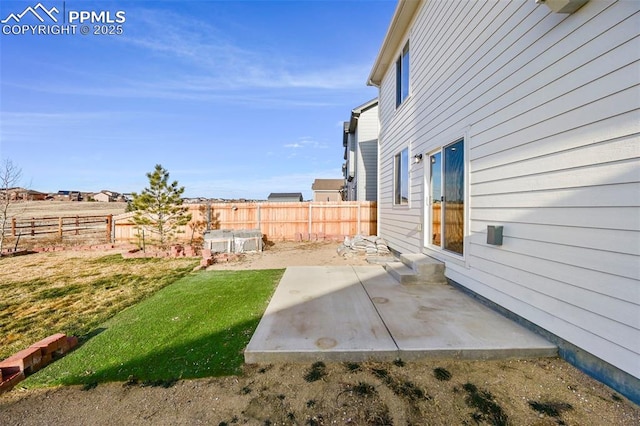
<point x="276" y="221"/>
<point x="97" y="227"/>
<point x="453" y="219"/>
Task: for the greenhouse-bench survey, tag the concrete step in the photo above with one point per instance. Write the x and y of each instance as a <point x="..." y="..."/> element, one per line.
<point x="430" y="270"/>
<point x="402" y="273"/>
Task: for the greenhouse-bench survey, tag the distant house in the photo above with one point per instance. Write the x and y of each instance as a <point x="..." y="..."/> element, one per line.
<point x="65" y="195"/>
<point x="105" y="196"/>
<point x="327" y="189"/>
<point x="360" y="141"/>
<point x="102" y="197"/>
<point x="509" y="150"/>
<point x="23" y="194"/>
<point x="278" y="197"/>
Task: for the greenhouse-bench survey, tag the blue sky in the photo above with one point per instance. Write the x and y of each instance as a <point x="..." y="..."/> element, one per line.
<point x="236" y="99"/>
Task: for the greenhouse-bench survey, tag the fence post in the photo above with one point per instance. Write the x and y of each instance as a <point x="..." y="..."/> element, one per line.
<point x="60" y="227"/>
<point x="77" y="226"/>
<point x="310" y="222"/>
<point x="33" y="226"/>
<point x="13" y="226"/>
<point x="109" y="223"/>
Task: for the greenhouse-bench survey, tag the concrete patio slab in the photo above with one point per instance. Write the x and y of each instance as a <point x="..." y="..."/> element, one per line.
<point x="359" y="313"/>
<point x="320" y="313"/>
<point x="438" y="320"/>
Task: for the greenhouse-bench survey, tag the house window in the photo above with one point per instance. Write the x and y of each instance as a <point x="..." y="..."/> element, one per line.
<point x="402" y="76"/>
<point x="401" y="178"/>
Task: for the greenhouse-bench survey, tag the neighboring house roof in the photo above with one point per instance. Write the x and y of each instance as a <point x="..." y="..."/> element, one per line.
<point x="401" y="19"/>
<point x="296" y="195"/>
<point x="327" y="184"/>
<point x="21" y="189"/>
<point x="355" y="113"/>
<point x="350" y="126"/>
<point x="21" y="193"/>
<point x="109" y="193"/>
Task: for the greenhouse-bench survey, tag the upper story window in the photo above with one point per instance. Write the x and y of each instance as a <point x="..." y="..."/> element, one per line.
<point x="402" y="76"/>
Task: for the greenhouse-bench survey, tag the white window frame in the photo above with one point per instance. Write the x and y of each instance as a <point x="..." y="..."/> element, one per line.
<point x="401" y="174"/>
<point x="436" y="250"/>
<point x="403" y="75"/>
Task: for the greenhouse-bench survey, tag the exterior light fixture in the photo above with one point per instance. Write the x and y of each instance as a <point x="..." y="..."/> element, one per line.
<point x="563" y="6"/>
<point x="417" y="158"/>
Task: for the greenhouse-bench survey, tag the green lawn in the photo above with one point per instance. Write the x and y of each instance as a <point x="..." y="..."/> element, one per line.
<point x="196" y="327"/>
<point x="74" y="293"/>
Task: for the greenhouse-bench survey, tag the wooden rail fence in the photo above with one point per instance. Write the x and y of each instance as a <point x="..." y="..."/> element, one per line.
<point x="276" y="221"/>
<point x="98" y="227"/>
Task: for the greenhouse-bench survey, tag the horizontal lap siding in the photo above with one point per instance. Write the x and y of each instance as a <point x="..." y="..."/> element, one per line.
<point x="557" y="162"/>
<point x="550" y="105"/>
<point x="368" y="185"/>
<point x="368" y="129"/>
<point x="398" y="224"/>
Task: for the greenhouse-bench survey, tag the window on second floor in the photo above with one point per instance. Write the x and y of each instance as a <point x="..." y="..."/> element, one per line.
<point x="402" y="76"/>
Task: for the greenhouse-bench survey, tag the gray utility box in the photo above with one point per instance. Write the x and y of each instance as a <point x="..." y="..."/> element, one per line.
<point x="233" y="241"/>
<point x="494" y="235"/>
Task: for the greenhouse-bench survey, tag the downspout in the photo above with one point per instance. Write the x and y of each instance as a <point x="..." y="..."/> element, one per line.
<point x="372" y="83"/>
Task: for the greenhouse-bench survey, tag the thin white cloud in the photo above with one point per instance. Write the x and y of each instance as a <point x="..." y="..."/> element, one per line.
<point x="294" y="145"/>
<point x="184" y="58"/>
<point x="35" y="118"/>
<point x="226" y="65"/>
<point x="189" y="59"/>
<point x="306" y="142"/>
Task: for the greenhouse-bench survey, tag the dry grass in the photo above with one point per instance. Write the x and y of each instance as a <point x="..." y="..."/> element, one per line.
<point x="73" y="292"/>
<point x="30" y="209"/>
<point x="23" y="211"/>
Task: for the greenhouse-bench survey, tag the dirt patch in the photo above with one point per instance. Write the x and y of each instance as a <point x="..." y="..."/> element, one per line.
<point x="284" y="254"/>
<point x="518" y="392"/>
<point x="440" y="392"/>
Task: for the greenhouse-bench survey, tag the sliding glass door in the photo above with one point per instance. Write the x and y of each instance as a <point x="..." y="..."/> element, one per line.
<point x="446" y="198"/>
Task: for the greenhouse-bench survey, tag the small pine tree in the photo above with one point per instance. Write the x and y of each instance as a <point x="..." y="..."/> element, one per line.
<point x="158" y="208"/>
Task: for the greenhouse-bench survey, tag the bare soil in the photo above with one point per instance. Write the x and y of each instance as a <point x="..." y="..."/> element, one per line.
<point x="438" y="392"/>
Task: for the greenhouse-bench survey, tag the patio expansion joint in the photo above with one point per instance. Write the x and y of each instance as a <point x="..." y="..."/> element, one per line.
<point x="377" y="310"/>
<point x="320" y="313"/>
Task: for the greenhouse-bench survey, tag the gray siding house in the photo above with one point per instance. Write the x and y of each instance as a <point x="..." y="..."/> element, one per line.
<point x="508" y="114"/>
<point x="360" y="141"/>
